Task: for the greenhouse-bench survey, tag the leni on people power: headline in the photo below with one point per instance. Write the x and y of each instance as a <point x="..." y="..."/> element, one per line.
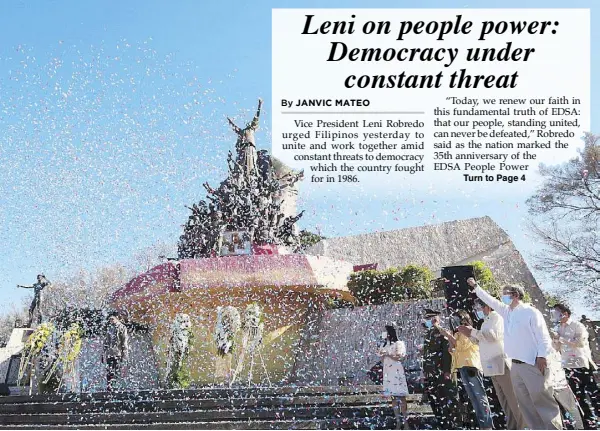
<point x="429" y="96"/>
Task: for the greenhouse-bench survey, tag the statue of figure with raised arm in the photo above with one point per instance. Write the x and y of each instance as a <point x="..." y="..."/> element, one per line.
<point x="246" y="145"/>
<point x="36" y="304"/>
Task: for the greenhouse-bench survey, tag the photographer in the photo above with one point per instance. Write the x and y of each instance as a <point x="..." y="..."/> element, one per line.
<point x="466" y="360"/>
<point x="437" y="367"/>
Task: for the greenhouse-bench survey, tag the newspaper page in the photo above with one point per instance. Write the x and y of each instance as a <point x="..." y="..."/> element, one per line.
<point x="294" y="215"/>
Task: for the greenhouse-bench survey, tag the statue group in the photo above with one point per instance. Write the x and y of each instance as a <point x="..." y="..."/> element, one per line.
<point x="250" y="199"/>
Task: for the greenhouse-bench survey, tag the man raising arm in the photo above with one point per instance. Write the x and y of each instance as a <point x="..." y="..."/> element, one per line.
<point x="527" y="343"/>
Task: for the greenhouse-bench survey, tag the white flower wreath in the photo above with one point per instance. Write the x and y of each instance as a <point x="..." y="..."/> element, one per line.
<point x="253" y="326"/>
<point x="228" y="324"/>
<point x="178" y="346"/>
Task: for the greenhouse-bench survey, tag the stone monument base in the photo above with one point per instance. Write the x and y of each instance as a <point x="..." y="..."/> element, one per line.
<point x="288" y="288"/>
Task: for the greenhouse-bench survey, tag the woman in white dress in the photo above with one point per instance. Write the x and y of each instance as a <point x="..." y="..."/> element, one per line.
<point x="393" y="352"/>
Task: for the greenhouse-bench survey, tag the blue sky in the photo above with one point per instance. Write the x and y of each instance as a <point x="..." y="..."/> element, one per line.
<point x="113" y="116"/>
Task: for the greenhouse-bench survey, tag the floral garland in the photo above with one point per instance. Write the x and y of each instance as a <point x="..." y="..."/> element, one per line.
<point x="253" y="326"/>
<point x="251" y="340"/>
<point x="68" y="351"/>
<point x="34" y="345"/>
<point x="253" y="316"/>
<point x="181" y="335"/>
<point x="228" y="324"/>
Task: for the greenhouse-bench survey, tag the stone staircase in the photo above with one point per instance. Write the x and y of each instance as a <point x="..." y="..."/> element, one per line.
<point x="360" y="407"/>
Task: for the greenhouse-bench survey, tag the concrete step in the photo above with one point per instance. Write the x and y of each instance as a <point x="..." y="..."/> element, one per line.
<point x="192" y="404"/>
<point x="361" y="407"/>
<point x="167" y="394"/>
<point x="415" y="422"/>
<point x="277" y="414"/>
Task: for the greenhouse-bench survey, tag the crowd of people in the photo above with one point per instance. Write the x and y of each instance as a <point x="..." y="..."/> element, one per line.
<point x="541" y="378"/>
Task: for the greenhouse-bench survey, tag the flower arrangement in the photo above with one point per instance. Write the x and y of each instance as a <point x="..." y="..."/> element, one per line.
<point x="34" y="345"/>
<point x="68" y="351"/>
<point x="181" y="335"/>
<point x="253" y="316"/>
<point x="252" y="339"/>
<point x="253" y="326"/>
<point x="228" y="324"/>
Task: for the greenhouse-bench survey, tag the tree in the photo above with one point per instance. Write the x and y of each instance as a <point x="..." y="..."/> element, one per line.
<point x="390" y="285"/>
<point x="84" y="296"/>
<point x="566" y="211"/>
<point x="85" y="290"/>
<point x="553" y="299"/>
<point x="486" y="279"/>
<point x="17" y="313"/>
<point x="152" y="256"/>
<point x="308" y="239"/>
<point x="415" y="282"/>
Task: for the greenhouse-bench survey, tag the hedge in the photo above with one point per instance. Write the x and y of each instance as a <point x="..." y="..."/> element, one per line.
<point x="391" y="285"/>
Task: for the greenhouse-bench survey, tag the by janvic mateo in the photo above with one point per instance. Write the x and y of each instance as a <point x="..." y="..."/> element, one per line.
<point x="330" y="102"/>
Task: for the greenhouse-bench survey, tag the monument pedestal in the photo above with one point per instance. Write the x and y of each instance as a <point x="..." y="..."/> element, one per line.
<point x="287" y="287"/>
<point x="10" y="355"/>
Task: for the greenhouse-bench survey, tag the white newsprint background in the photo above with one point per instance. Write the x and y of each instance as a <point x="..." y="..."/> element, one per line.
<point x="556" y="75"/>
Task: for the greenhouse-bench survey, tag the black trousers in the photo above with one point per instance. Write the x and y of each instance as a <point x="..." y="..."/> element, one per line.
<point x="582" y="383"/>
<point x="113" y="364"/>
<point x="442" y="394"/>
<point x="35" y="304"/>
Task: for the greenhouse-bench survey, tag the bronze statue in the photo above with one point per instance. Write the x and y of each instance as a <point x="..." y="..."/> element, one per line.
<point x="246" y="145"/>
<point x="36" y="304"/>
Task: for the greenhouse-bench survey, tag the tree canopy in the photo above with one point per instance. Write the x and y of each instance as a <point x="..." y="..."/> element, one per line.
<point x="566" y="217"/>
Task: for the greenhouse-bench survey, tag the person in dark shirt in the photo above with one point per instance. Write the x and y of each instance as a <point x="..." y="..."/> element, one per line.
<point x="437" y="366"/>
<point x="116" y="349"/>
<point x="36" y="304"/>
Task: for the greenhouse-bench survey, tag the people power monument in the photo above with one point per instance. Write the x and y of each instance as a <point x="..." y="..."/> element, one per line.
<point x="239" y="247"/>
<point x="249" y="207"/>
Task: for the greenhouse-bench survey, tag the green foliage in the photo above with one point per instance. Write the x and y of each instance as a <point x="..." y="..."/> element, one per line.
<point x="416" y="280"/>
<point x="553" y="299"/>
<point x="391" y="285"/>
<point x="182" y="377"/>
<point x="485" y="278"/>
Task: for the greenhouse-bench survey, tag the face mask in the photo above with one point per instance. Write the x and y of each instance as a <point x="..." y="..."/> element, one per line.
<point x="428" y="324"/>
<point x="480" y="314"/>
<point x="507" y="299"/>
<point x="556" y="315"/>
